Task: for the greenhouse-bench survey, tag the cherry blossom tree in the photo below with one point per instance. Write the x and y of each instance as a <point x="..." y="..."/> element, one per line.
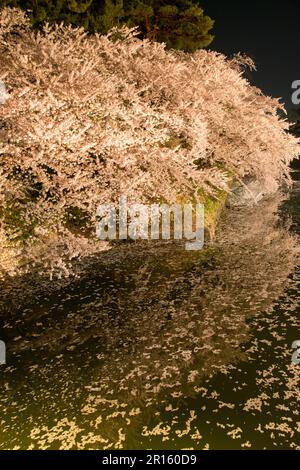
<point x="89" y="118"/>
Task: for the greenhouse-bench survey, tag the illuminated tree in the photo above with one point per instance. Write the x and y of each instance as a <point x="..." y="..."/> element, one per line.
<point x="89" y="118"/>
<point x="181" y="24"/>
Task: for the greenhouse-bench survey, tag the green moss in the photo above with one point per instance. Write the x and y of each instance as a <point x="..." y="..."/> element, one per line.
<point x="213" y="205"/>
<point x="77" y="221"/>
<point x="15" y="223"/>
<point x="175" y="141"/>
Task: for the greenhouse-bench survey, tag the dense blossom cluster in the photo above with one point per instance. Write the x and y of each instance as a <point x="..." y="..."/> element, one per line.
<point x="89" y="118"/>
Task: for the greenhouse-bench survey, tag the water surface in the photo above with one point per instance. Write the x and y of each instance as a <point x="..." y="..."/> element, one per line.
<point x="155" y="347"/>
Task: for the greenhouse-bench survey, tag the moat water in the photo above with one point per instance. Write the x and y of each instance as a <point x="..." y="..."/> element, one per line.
<point x="154" y="347"/>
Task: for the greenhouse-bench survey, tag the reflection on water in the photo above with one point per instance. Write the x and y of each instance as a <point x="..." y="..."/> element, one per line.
<point x="157" y="347"/>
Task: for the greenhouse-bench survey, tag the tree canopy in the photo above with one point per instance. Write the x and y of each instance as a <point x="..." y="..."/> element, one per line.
<point x="86" y="119"/>
<point x="181" y="24"/>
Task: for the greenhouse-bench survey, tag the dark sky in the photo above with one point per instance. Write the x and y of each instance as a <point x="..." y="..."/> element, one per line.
<point x="268" y="31"/>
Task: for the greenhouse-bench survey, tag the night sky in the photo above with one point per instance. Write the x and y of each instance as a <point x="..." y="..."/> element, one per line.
<point x="268" y="31"/>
